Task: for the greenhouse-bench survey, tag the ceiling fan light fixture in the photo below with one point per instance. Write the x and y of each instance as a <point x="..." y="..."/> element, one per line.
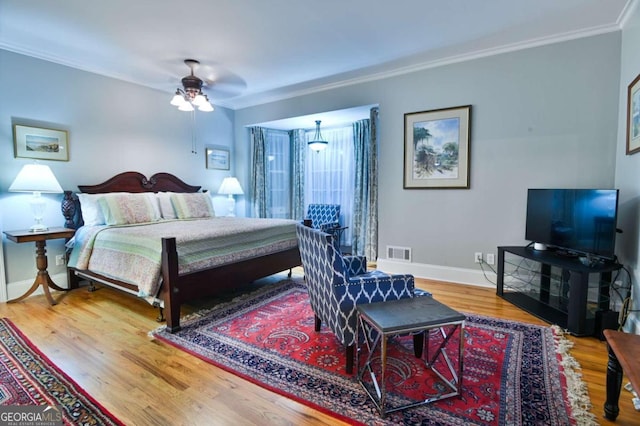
<point x="190" y="94"/>
<point x="186" y="106"/>
<point x="199" y="100"/>
<point x="318" y="143"/>
<point x="178" y="99"/>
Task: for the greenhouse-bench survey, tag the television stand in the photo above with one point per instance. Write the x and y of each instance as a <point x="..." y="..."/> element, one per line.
<point x="554" y="287"/>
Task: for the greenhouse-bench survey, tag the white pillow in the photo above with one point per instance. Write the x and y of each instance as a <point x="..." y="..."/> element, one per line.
<point x="166" y="207"/>
<point x="91" y="211"/>
<point x="151" y="196"/>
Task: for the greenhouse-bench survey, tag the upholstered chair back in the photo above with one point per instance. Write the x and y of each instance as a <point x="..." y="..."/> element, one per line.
<point x="324" y="216"/>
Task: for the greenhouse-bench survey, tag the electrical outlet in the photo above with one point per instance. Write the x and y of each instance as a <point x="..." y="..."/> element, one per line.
<point x="491" y="259"/>
<point x="59" y="259"/>
<point x="477" y="257"/>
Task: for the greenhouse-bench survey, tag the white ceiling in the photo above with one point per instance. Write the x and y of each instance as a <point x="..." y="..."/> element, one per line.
<point x="255" y="51"/>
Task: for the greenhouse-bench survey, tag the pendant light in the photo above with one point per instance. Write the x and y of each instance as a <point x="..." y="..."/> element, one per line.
<point x="317" y="143"/>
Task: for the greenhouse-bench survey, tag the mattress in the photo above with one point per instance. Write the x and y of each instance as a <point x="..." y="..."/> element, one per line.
<point x="133" y="253"/>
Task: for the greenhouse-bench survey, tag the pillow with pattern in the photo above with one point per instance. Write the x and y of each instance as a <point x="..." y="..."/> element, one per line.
<point x="125" y="209"/>
<point x="192" y="205"/>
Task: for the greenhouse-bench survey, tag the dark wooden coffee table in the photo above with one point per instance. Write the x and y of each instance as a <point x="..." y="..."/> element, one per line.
<point x="409" y="316"/>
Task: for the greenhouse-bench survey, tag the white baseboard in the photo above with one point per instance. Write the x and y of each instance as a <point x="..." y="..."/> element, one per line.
<point x="18" y="288"/>
<point x="440" y="273"/>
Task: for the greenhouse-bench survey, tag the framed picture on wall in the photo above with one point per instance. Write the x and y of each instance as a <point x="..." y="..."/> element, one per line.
<point x="633" y="116"/>
<point x="40" y="143"/>
<point x="437" y="148"/>
<point x="217" y="158"/>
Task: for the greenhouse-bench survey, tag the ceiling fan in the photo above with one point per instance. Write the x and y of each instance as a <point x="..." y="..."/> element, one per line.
<point x="190" y="94"/>
<point x="214" y="80"/>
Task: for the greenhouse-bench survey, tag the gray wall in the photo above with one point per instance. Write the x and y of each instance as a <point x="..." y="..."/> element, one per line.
<point x="113" y="127"/>
<point x="541" y="117"/>
<point x="628" y="166"/>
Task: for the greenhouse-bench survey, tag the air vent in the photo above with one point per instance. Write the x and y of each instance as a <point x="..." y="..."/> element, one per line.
<point x="402" y="254"/>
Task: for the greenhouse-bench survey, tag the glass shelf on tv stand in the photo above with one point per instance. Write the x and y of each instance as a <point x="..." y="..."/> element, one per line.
<point x="558" y="289"/>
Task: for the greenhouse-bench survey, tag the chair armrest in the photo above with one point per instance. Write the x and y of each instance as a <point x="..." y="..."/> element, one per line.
<point x="355" y="265"/>
<point x="328" y="227"/>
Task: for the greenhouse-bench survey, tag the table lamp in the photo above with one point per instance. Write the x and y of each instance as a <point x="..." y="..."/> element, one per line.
<point x="36" y="178"/>
<point x="230" y="186"/>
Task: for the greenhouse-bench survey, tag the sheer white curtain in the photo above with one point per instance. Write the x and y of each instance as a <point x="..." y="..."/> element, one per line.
<point x="278" y="171"/>
<point x="329" y="174"/>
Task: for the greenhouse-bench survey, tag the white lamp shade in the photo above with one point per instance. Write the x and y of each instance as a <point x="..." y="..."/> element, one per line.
<point x="177" y="99"/>
<point x="35" y="178"/>
<point x="230" y="186"/>
<point x="186" y="106"/>
<point x="199" y="100"/>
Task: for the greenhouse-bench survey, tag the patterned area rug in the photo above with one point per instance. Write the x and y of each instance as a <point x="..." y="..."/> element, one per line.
<point x="28" y="377"/>
<point x="514" y="373"/>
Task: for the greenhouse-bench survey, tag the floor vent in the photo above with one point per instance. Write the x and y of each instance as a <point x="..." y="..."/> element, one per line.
<point x="402" y="254"/>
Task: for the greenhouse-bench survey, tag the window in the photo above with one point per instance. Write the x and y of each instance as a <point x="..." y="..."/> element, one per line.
<point x="329" y="174"/>
<point x="277" y="151"/>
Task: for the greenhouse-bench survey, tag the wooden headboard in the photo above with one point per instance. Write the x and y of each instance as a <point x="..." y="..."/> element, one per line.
<point x="123" y="182"/>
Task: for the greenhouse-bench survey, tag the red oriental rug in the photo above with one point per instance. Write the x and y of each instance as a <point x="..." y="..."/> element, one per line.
<point x="514" y="373"/>
<point x="29" y="378"/>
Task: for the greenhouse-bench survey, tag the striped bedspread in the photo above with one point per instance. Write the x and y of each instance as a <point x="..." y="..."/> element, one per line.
<point x="132" y="253"/>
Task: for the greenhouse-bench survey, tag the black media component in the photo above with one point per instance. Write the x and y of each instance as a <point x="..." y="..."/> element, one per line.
<point x="578" y="221"/>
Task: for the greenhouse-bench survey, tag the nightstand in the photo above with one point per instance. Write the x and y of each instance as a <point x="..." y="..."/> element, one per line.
<point x="40" y="238"/>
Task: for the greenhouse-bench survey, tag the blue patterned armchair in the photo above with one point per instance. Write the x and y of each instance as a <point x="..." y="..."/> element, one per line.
<point x="324" y="216"/>
<point x="338" y="283"/>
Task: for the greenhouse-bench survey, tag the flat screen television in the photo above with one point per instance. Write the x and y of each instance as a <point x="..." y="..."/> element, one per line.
<point x="580" y="221"/>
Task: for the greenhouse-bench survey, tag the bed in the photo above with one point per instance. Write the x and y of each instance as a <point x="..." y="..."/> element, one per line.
<point x="179" y="280"/>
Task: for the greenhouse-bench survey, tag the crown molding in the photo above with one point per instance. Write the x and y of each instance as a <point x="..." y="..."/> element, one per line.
<point x="626" y="13"/>
<point x="278" y="95"/>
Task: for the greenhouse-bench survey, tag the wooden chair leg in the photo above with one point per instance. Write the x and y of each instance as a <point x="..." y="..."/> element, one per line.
<point x="318" y="323"/>
<point x="418" y="344"/>
<point x="350" y="355"/>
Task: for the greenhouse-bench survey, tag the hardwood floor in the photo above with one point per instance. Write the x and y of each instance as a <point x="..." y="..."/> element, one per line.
<point x="101" y="340"/>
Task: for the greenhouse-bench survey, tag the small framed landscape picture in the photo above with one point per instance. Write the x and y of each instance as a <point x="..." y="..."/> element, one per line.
<point x="633" y="117"/>
<point x="217" y="158"/>
<point x="437" y="148"/>
<point x="40" y="143"/>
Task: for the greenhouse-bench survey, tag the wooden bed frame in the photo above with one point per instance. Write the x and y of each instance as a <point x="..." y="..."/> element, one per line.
<point x="176" y="288"/>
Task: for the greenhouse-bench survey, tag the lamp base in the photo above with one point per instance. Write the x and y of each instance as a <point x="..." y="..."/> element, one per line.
<point x="38" y="227"/>
<point x="231" y="205"/>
